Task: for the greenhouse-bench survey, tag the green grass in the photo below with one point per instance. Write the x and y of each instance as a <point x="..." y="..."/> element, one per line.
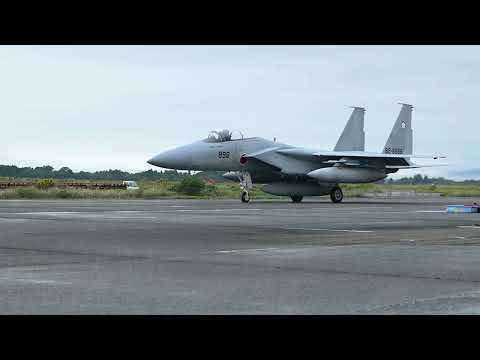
<point x="443" y="190"/>
<point x="55" y="193"/>
<point x="359" y="190"/>
<point x="222" y="190"/>
<point x="148" y="190"/>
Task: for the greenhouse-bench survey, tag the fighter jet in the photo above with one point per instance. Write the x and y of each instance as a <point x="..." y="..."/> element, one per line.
<point x="287" y="170"/>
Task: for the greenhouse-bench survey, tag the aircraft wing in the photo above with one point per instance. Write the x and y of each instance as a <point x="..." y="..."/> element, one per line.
<point x="355" y="158"/>
<point x="301" y="152"/>
<point x="280" y="159"/>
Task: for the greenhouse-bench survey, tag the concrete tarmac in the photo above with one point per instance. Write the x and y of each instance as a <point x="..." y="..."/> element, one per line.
<point x="225" y="257"/>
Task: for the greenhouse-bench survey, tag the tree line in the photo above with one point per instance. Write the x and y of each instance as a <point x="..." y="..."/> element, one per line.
<point x="45" y="172"/>
<point x="418" y="179"/>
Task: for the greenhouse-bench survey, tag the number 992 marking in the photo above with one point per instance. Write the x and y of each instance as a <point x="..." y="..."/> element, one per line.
<point x="224" y="154"/>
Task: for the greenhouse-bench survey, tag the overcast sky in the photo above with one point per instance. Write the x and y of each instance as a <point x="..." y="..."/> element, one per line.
<point x="113" y="107"/>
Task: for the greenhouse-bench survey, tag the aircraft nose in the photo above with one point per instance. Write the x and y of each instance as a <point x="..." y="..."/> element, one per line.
<point x="152" y="161"/>
<point x="172" y="159"/>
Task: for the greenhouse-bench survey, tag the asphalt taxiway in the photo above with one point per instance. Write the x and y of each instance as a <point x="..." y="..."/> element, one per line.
<point x="224" y="257"/>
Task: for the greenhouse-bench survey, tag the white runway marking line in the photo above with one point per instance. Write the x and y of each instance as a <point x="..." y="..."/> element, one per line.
<point x="113" y="217"/>
<point x="469" y="227"/>
<point x="383" y="222"/>
<point x="52" y="213"/>
<point x="244" y="250"/>
<point x="109" y="215"/>
<point x="217" y="210"/>
<point x="32" y="281"/>
<point x="16" y="220"/>
<point x="339" y="230"/>
<point x="328" y="209"/>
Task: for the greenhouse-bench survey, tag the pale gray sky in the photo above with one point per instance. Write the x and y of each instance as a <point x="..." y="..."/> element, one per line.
<point x="107" y="107"/>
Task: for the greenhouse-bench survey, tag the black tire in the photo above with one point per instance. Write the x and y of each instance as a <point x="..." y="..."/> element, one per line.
<point x="336" y="195"/>
<point x="296" y="198"/>
<point x="245" y="197"/>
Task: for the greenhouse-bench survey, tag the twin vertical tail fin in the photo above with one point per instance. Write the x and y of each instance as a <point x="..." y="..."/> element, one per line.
<point x="399" y="142"/>
<point x="401" y="136"/>
<point x="353" y="136"/>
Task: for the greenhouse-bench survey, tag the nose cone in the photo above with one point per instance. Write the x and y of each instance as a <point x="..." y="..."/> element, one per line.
<point x="179" y="159"/>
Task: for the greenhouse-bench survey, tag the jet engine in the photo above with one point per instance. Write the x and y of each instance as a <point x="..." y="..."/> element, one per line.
<point x="344" y="174"/>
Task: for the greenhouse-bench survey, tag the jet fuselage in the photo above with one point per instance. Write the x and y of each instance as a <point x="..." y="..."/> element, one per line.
<point x="220" y="156"/>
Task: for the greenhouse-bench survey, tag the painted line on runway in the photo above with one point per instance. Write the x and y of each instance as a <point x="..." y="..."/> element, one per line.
<point x="52" y="213"/>
<point x="217" y="210"/>
<point x="339" y="230"/>
<point x="19" y="220"/>
<point x="329" y="209"/>
<point x="39" y="282"/>
<point x="111" y="215"/>
<point x="469" y="227"/>
<point x="381" y="222"/>
<point x="244" y="250"/>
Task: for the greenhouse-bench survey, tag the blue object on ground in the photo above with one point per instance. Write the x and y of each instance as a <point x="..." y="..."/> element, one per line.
<point x="463" y="208"/>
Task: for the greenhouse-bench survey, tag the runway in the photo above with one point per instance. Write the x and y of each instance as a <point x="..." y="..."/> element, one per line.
<point x="225" y="257"/>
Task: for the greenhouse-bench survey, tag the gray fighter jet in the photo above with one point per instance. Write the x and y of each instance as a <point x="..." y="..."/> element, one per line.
<point x="296" y="172"/>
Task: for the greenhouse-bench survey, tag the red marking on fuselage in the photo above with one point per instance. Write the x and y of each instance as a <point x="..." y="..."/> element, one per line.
<point x="243" y="159"/>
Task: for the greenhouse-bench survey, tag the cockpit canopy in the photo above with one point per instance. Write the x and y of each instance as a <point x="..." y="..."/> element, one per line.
<point x="218" y="136"/>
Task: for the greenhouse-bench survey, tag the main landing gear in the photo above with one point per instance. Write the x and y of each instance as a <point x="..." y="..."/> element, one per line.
<point x="296" y="198"/>
<point x="336" y="194"/>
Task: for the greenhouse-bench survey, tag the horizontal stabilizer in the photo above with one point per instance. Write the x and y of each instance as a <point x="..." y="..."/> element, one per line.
<point x="413" y="166"/>
<point x="360" y="154"/>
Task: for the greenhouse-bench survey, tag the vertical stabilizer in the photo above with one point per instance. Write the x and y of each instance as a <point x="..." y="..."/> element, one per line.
<point x="401" y="136"/>
<point x="353" y="136"/>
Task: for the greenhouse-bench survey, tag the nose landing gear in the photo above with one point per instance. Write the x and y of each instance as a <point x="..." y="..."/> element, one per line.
<point x="245" y="185"/>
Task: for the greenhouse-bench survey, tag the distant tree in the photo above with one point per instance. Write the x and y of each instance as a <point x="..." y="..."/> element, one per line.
<point x="42" y="172"/>
<point x="417" y="179"/>
<point x="64" y="173"/>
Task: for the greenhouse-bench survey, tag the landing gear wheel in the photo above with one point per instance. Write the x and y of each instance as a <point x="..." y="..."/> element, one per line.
<point x="245" y="197"/>
<point x="296" y="198"/>
<point x="336" y="195"/>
